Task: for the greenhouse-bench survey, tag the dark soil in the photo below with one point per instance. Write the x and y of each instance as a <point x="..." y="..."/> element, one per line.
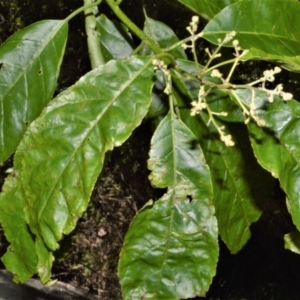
<point x="88" y="257"/>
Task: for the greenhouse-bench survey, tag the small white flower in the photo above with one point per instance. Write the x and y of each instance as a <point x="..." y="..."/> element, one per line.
<point x="185" y="46"/>
<point x="277" y="70"/>
<point x="201" y="92"/>
<point x="235" y="43"/>
<point x="227" y="139"/>
<point x="216" y="73"/>
<point x="229" y="36"/>
<point x="194" y="24"/>
<point x="279" y="88"/>
<point x="269" y="75"/>
<point x="195" y="19"/>
<point x="271" y="98"/>
<point x="260" y="122"/>
<point x="286" y="96"/>
<point x="207" y="51"/>
<point x="197" y="107"/>
<point x="155" y="62"/>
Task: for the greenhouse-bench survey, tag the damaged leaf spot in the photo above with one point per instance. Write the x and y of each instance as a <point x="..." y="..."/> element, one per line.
<point x="190" y="198"/>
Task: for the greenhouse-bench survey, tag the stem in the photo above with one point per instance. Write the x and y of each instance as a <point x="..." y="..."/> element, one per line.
<point x="211" y="58"/>
<point x="93" y="43"/>
<point x="80" y="9"/>
<point x="184" y="41"/>
<point x="255" y="82"/>
<point x="138" y="32"/>
<point x="232" y="69"/>
<point x="220" y="65"/>
<point x="138" y="48"/>
<point x="175" y="105"/>
<point x="195" y="52"/>
<point x="245" y="110"/>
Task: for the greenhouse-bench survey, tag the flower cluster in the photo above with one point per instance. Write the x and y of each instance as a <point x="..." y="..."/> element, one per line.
<point x="160" y="65"/>
<point x="200" y="104"/>
<point x="193" y="27"/>
<point x="269" y="74"/>
<point x="216" y="73"/>
<point x="278" y="91"/>
<point x="226" y="138"/>
<point x="229" y="36"/>
<point x="249" y="109"/>
<point x="259" y="121"/>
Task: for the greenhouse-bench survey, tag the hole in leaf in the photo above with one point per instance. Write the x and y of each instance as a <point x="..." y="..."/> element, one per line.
<point x="40" y="72"/>
<point x="1" y="64"/>
<point x="190" y="198"/>
<point x="193" y="144"/>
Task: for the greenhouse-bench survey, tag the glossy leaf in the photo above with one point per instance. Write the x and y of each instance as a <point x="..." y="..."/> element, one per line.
<point x="171" y="249"/>
<point x="20" y="258"/>
<point x="115" y="41"/>
<point x="62" y="153"/>
<point x="270" y="34"/>
<point x="207" y="8"/>
<point x="290" y="63"/>
<point x="29" y="66"/>
<point x="241" y="186"/>
<point x="25" y="256"/>
<point x="292" y="241"/>
<point x="276" y="145"/>
<point x="163" y="35"/>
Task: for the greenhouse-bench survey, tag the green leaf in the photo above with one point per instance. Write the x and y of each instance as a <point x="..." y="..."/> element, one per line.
<point x="171" y="248"/>
<point x="241" y="186"/>
<point x="276" y="145"/>
<point x="164" y="36"/>
<point x="291" y="63"/>
<point x="207" y="8"/>
<point x="115" y="41"/>
<point x="29" y="66"/>
<point x="62" y="152"/>
<point x="45" y="260"/>
<point x="20" y="258"/>
<point x="292" y="241"/>
<point x="263" y="28"/>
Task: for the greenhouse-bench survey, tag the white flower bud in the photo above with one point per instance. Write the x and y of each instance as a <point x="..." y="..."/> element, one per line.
<point x="195" y="19"/>
<point x="286" y="96"/>
<point x="216" y="73"/>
